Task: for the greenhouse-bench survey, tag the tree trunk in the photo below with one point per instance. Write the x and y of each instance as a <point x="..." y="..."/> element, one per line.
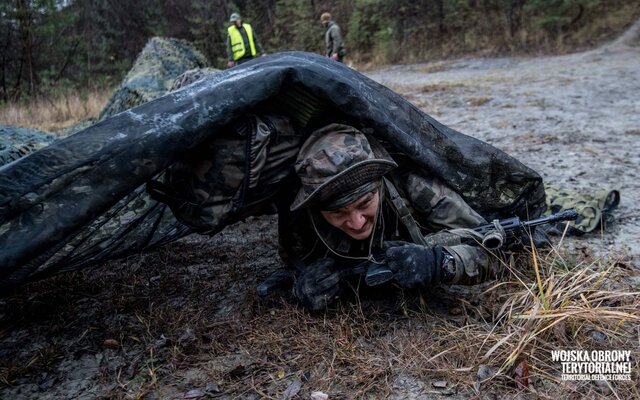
<point x="26" y="40"/>
<point x="440" y="8"/>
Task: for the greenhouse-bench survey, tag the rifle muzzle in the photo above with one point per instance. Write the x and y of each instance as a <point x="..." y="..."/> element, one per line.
<point x="493" y="240"/>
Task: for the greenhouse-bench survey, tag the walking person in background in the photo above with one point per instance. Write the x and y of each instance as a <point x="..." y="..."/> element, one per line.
<point x="333" y="38"/>
<point x="242" y="43"/>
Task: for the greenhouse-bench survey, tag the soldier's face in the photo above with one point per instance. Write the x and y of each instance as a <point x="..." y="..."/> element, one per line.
<point x="356" y="219"/>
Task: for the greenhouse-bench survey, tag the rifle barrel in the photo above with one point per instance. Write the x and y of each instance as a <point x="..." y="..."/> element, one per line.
<point x="568" y="215"/>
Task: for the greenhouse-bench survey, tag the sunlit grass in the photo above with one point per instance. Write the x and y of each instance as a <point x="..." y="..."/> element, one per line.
<point x="57" y="111"/>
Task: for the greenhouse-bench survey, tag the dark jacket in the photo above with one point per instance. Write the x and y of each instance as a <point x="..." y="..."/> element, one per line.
<point x="333" y="40"/>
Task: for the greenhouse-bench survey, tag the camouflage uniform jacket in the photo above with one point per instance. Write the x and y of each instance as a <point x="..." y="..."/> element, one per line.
<point x="235" y="175"/>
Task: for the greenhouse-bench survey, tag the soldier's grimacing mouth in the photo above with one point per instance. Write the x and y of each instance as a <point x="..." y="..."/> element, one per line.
<point x="361" y="233"/>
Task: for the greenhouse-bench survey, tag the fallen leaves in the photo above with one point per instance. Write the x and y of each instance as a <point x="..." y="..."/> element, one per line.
<point x="111" y="343"/>
<point x="521" y="375"/>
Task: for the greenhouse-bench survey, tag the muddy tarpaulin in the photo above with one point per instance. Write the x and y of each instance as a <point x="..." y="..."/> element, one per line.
<point x="82" y="200"/>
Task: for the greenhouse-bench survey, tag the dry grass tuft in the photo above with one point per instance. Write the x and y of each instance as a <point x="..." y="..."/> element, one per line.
<point x="478" y="101"/>
<point x="439" y="87"/>
<point x="366" y="348"/>
<point x="56" y="112"/>
<point x="563" y="306"/>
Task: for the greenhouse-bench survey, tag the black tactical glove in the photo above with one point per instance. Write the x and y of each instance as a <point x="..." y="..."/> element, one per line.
<point x="317" y="286"/>
<point x="413" y="265"/>
<point x="540" y="238"/>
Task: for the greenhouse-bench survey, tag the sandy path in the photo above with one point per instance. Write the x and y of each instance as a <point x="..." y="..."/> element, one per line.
<point x="575" y="119"/>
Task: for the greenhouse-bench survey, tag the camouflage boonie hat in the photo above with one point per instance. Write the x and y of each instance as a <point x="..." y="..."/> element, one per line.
<point x="336" y="160"/>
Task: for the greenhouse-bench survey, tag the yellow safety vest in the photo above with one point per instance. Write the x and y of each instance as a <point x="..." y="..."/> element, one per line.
<point x="237" y="44"/>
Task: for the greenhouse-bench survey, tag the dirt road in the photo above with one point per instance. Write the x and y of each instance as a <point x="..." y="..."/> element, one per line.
<point x="575" y="119"/>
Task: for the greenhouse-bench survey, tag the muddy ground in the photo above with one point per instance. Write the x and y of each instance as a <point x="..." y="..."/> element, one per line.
<point x="184" y="321"/>
<point x="575" y="119"/>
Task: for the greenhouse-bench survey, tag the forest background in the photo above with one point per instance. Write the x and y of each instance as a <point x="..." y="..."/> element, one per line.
<point x="54" y="47"/>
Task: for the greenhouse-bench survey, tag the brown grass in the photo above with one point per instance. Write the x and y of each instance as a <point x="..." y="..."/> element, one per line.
<point x="513" y="323"/>
<point x="440" y="87"/>
<point x="55" y="112"/>
<point x="478" y="101"/>
<point x="186" y="318"/>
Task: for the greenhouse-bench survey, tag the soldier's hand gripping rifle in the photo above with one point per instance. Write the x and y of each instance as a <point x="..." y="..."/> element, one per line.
<point x="492" y="236"/>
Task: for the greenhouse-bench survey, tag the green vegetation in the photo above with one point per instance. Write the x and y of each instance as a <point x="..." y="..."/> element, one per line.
<point x="50" y="44"/>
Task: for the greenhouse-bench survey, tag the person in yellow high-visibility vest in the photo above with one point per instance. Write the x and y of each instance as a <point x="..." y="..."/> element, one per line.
<point x="242" y="43"/>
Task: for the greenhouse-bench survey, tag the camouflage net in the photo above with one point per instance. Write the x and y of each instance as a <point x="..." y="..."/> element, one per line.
<point x="16" y="142"/>
<point x="162" y="66"/>
<point x="190" y="76"/>
<point x="593" y="209"/>
<point x="81" y="200"/>
<point x="153" y="73"/>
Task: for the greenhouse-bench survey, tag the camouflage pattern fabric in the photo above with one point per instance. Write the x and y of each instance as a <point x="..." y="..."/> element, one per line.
<point x="434" y="204"/>
<point x="188" y="77"/>
<point x="51" y="199"/>
<point x="437" y="208"/>
<point x="16" y="142"/>
<point x="474" y="265"/>
<point x="136" y="222"/>
<point x="234" y="175"/>
<point x="434" y="207"/>
<point x="593" y="210"/>
<point x="338" y="159"/>
<point x="153" y="73"/>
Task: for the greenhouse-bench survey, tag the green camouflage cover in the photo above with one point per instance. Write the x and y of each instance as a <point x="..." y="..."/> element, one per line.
<point x="82" y="199"/>
<point x="17" y="142"/>
<point x="161" y="61"/>
<point x="594" y="210"/>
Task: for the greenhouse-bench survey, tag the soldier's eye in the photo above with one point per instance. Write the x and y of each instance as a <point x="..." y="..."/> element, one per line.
<point x="366" y="202"/>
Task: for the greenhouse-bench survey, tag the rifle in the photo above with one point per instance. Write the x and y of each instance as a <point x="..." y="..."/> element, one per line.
<point x="491" y="236"/>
